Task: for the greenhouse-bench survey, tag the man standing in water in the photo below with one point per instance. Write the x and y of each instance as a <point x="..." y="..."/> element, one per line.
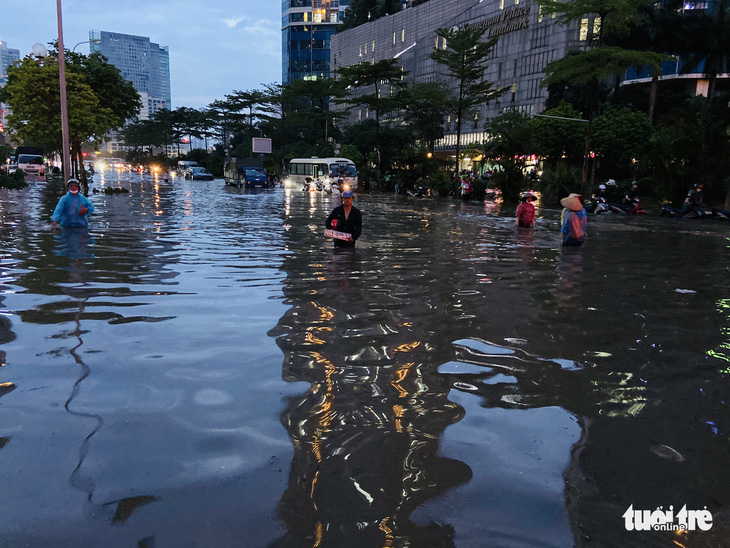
<point x="72" y="208"/>
<point x="346" y="218"/>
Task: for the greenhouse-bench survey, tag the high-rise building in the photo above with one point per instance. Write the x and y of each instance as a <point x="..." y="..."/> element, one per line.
<point x="307" y="26"/>
<point x="7" y="57"/>
<point x="142" y="62"/>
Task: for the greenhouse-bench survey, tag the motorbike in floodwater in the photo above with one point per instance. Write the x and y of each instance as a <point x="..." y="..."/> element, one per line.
<point x="696" y="212"/>
<point x="602" y="206"/>
<point x="420" y="192"/>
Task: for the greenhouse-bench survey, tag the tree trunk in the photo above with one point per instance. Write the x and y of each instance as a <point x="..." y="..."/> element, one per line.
<point x="587" y="151"/>
<point x="652" y="93"/>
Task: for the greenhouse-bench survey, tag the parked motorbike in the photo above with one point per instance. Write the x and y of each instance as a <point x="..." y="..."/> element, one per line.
<point x="694" y="213"/>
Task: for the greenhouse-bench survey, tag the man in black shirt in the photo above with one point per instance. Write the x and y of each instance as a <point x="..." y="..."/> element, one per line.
<point x="346" y="218"/>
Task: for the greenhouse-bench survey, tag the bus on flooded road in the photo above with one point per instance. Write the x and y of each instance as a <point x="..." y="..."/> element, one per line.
<point x="303" y="171"/>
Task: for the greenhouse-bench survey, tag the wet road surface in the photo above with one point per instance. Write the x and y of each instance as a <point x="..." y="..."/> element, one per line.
<point x="203" y="369"/>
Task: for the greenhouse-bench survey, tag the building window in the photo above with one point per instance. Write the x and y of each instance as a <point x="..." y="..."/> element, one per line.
<point x="373" y="47"/>
<point x="583" y="30"/>
<point x="501" y="4"/>
<point x="394" y="38"/>
<point x="596" y="27"/>
<point x="402" y="35"/>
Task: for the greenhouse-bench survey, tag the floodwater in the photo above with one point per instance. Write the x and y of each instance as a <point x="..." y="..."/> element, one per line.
<point x="202" y="369"/>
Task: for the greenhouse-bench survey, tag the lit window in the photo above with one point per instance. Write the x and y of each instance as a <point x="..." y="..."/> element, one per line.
<point x="501" y="4"/>
<point x="596" y="27"/>
<point x="539" y="14"/>
<point x="583" y="30"/>
<point x="403" y="35"/>
<point x="394" y="38"/>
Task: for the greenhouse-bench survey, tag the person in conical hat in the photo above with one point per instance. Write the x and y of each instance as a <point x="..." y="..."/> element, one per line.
<point x="573" y="220"/>
<point x="525" y="214"/>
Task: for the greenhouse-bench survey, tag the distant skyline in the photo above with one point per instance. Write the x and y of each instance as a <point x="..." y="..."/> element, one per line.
<point x="215" y="47"/>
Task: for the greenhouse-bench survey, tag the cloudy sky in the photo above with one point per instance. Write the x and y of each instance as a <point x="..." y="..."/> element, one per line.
<point x="216" y="46"/>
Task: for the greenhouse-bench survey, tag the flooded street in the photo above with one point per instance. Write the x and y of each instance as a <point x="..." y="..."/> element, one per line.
<point x="202" y="369"/>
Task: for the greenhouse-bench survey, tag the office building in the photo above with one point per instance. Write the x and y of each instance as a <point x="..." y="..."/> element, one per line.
<point x="528" y="40"/>
<point x="142" y="62"/>
<point x="7" y="57"/>
<point x="307" y="28"/>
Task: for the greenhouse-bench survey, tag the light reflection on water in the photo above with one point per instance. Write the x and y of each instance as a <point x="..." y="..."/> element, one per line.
<point x="451" y="382"/>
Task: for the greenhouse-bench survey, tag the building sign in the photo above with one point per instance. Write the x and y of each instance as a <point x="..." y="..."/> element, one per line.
<point x="508" y="21"/>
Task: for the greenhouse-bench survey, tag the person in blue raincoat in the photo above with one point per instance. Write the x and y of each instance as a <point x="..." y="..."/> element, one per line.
<point x="72" y="208"/>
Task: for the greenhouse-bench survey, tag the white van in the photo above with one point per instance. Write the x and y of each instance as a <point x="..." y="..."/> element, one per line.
<point x="31" y="164"/>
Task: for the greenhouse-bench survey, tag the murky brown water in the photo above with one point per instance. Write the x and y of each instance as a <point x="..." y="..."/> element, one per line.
<point x="202" y="369"/>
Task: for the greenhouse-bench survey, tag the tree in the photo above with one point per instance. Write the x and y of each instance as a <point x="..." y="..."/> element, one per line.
<point x="592" y="66"/>
<point x="380" y="76"/>
<point x="464" y="59"/>
<point x="612" y="19"/>
<point x="619" y="137"/>
<point x="709" y="47"/>
<point x="559" y="133"/>
<point x="99" y="100"/>
<point x="307" y="103"/>
<point x="510" y="141"/>
<point x="424" y="109"/>
<point x="359" y="12"/>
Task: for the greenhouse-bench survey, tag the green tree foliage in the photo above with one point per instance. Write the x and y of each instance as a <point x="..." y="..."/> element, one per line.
<point x="385" y="80"/>
<point x="98" y="99"/>
<point x="690" y="145"/>
<point x="359" y="12"/>
<point x="13" y="181"/>
<point x="424" y="112"/>
<point x="113" y="91"/>
<point x="510" y="140"/>
<point x="709" y="43"/>
<point x="307" y="104"/>
<point x="465" y="61"/>
<point x="619" y="138"/>
<point x="557" y="137"/>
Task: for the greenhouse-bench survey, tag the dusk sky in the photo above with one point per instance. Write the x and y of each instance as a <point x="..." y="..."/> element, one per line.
<point x="215" y="47"/>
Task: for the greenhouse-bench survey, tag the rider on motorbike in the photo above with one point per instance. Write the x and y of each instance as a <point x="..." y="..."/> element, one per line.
<point x="694" y="202"/>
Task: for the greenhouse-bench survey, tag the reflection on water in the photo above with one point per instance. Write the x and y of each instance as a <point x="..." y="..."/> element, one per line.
<point x="203" y="367"/>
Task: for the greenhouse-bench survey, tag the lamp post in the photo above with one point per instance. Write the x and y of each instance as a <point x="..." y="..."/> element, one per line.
<point x="64" y="104"/>
<point x="77" y="45"/>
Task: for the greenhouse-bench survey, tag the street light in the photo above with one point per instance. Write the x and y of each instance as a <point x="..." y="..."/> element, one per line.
<point x="77" y="45"/>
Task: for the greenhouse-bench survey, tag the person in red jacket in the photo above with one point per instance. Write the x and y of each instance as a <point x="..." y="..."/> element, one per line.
<point x="525" y="214"/>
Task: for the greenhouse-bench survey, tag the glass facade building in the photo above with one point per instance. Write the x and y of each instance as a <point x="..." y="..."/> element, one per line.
<point x="144" y="63"/>
<point x="7" y="57"/>
<point x="307" y="27"/>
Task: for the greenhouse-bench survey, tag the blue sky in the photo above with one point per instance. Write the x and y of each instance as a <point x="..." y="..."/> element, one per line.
<point x="216" y="46"/>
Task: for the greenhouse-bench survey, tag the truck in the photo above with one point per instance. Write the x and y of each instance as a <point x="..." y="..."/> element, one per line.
<point x="246" y="172"/>
<point x="30" y="160"/>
